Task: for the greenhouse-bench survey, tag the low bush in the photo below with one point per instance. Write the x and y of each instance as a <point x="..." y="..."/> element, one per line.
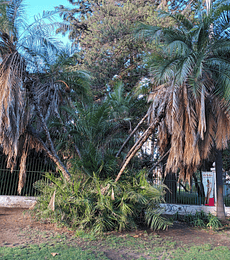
<point x="90" y="203"/>
<point x="200" y="219"/>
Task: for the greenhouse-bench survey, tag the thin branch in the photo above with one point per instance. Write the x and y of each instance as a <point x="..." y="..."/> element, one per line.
<point x="159" y="161"/>
<point x="183" y="186"/>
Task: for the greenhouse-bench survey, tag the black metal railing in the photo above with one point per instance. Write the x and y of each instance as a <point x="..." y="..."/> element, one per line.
<point x="182" y="193"/>
<point x="35" y="170"/>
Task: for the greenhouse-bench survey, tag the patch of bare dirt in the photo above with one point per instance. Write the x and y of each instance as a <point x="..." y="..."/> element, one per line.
<point x="17" y="227"/>
<point x="181" y="232"/>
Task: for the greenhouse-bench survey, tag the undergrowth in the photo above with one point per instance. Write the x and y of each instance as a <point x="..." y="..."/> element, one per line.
<point x="88" y="203"/>
<point x="200" y="219"/>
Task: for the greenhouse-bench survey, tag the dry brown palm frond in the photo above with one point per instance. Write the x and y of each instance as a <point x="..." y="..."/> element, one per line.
<point x="189" y="126"/>
<point x="189" y="107"/>
<point x="206" y="145"/>
<point x="14" y="112"/>
<point x="163" y="137"/>
<point x="202" y="117"/>
<point x="189" y="144"/>
<point x="22" y="172"/>
<point x="222" y="128"/>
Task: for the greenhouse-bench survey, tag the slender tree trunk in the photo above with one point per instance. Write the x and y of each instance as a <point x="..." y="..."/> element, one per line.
<point x="52" y="153"/>
<point x="219" y="186"/>
<point x="137" y="146"/>
<point x="133" y="132"/>
<point x="201" y="185"/>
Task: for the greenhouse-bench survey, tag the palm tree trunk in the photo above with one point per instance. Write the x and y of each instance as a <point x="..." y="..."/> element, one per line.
<point x="137" y="146"/>
<point x="53" y="157"/>
<point x="219" y="185"/>
<point x="52" y="152"/>
<point x="133" y="132"/>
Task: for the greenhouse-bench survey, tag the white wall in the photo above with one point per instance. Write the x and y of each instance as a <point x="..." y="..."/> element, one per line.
<point x="171" y="209"/>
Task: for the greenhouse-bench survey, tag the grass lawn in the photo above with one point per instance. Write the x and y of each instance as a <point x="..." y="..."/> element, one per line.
<point x="114" y="247"/>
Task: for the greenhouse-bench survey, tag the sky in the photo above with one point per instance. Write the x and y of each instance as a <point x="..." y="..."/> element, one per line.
<point x="35" y="7"/>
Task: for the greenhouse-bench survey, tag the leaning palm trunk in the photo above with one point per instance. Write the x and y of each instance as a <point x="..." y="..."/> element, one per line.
<point x="53" y="156"/>
<point x="131" y="134"/>
<point x="52" y="153"/>
<point x="137" y="146"/>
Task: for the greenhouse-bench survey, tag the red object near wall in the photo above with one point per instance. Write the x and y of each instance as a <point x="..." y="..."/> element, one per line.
<point x="210" y="202"/>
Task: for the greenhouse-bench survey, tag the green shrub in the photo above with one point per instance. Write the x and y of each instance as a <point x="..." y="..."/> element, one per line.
<point x="90" y="203"/>
<point x="213" y="222"/>
<point x="200" y="219"/>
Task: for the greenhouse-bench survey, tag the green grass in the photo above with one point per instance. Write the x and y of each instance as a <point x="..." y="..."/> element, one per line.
<point x="44" y="252"/>
<point x="204" y="252"/>
<point x="123" y="246"/>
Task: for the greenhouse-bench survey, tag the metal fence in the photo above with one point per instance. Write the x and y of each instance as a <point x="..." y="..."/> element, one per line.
<point x="36" y="168"/>
<point x="176" y="192"/>
<point x="180" y="193"/>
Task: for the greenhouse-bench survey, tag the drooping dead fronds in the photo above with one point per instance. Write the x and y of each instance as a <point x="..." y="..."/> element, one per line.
<point x="22" y="172"/>
<point x="190" y="126"/>
<point x="14" y="110"/>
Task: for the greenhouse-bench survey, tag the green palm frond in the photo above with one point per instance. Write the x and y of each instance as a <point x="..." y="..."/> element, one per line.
<point x="155" y="220"/>
<point x="179" y="18"/>
<point x="146" y="31"/>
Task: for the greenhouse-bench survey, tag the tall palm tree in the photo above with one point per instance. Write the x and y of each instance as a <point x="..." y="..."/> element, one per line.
<point x="28" y="97"/>
<point x="191" y="91"/>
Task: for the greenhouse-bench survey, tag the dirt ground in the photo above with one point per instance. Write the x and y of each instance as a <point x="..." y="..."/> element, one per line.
<point x="17" y="227"/>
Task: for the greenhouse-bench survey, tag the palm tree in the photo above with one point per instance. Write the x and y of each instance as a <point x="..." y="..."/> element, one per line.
<point x="191" y="92"/>
<point x="28" y="96"/>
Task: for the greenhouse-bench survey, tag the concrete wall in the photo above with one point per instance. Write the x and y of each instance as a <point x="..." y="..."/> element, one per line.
<point x="171" y="209"/>
<point x="16" y="201"/>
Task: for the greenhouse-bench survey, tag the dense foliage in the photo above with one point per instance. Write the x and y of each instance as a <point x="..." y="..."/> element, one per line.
<point x="90" y="203"/>
<point x="108" y="47"/>
<point x="90" y="134"/>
